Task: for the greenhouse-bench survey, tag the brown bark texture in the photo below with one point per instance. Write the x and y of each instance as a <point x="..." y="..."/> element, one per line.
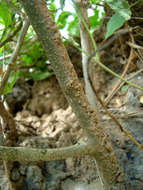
<point x="50" y="38"/>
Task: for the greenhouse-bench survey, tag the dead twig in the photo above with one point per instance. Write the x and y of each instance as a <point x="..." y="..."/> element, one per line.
<point x="108" y="42"/>
<point x="114" y="119"/>
<point x="119" y="84"/>
<point x="133" y="45"/>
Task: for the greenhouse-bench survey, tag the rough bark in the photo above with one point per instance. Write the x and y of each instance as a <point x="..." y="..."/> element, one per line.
<point x="50" y="38"/>
<point x="34" y="154"/>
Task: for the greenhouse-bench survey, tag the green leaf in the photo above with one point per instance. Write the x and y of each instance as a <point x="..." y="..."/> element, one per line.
<point x="95" y="1"/>
<point x="6" y="13"/>
<point x="11" y="81"/>
<point x="39" y="75"/>
<point x="52" y="7"/>
<point x="73" y="27"/>
<point x="114" y="23"/>
<point x="62" y="20"/>
<point x="124" y="88"/>
<point x="27" y="60"/>
<point x="121" y="7"/>
<point x="95" y="20"/>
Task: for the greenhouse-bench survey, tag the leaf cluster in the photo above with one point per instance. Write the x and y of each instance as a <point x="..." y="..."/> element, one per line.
<point x="32" y="62"/>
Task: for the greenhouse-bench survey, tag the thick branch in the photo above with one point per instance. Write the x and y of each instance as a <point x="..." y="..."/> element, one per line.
<point x="51" y="40"/>
<point x="33" y="154"/>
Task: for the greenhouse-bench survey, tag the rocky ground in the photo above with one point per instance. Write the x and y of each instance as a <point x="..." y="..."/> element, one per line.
<point x="47" y="121"/>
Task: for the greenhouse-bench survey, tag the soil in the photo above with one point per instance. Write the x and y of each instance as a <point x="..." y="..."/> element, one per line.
<point x="47" y="121"/>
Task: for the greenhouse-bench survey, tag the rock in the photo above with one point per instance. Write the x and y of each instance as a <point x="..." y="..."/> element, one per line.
<point x="35" y="179"/>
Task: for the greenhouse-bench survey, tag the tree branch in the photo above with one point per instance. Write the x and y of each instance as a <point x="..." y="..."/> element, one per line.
<point x="50" y="38"/>
<point x="34" y="154"/>
<point x="86" y="46"/>
<point x="9" y="38"/>
<point x="14" y="55"/>
<point x="9" y="126"/>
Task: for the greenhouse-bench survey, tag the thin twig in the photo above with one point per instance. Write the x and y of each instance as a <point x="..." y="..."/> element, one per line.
<point x="117" y="75"/>
<point x="135" y="3"/>
<point x="120" y="86"/>
<point x="5" y="57"/>
<point x="133" y="45"/>
<point x="133" y="17"/>
<point x="9" y="126"/>
<point x="117" y="34"/>
<point x="92" y="56"/>
<point x="9" y="38"/>
<point x="14" y="8"/>
<point x="120" y="83"/>
<point x="14" y="55"/>
<point x="114" y="119"/>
